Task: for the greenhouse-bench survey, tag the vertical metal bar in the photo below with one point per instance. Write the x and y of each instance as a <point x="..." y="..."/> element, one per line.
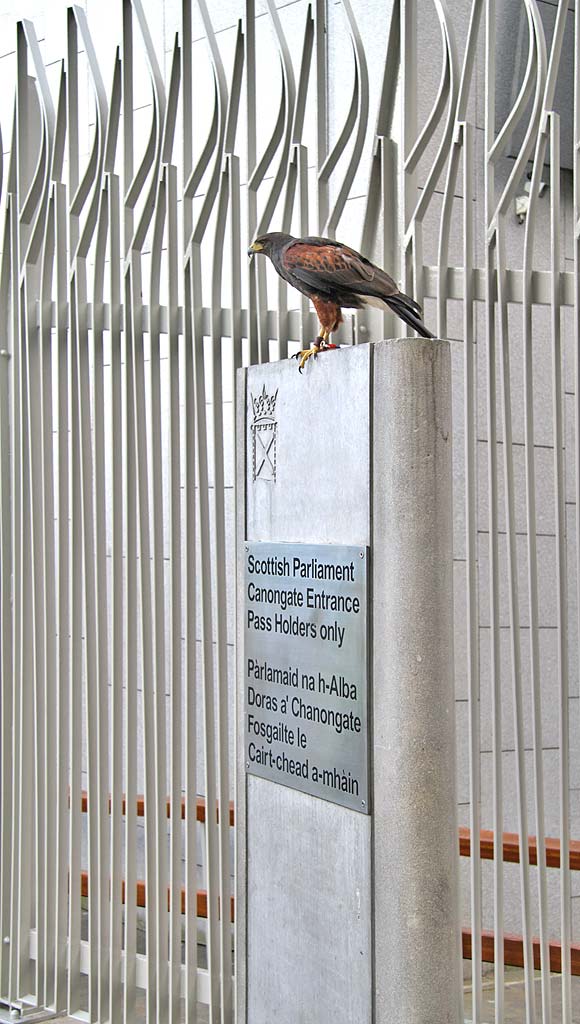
<point x="101" y="610"/>
<point x="251" y="149"/>
<point x="75" y="589"/>
<point x="157" y="624"/>
<point x="16" y="490"/>
<point x="81" y="395"/>
<point x="130" y="632"/>
<point x="408" y="51"/>
<point x="127" y="64"/>
<point x="37" y="639"/>
<point x="191" y="990"/>
<point x="561" y="565"/>
<point x="75" y="678"/>
<point x="207" y="648"/>
<point x="388" y="155"/>
<point x="145" y="618"/>
<point x="221" y="623"/>
<point x="117" y="617"/>
<point x="72" y="121"/>
<point x="27" y="649"/>
<point x="531" y="525"/>
<point x="187" y="111"/>
<point x="237" y="361"/>
<point x="48" y="601"/>
<point x="63" y="603"/>
<point x="495" y="661"/>
<point x="470" y="391"/>
<point x="515" y="639"/>
<point x="321" y="27"/>
<point x="256" y="282"/>
<point x="6" y="576"/>
<point x="175" y="611"/>
<point x="540" y="150"/>
<point x="576" y="226"/>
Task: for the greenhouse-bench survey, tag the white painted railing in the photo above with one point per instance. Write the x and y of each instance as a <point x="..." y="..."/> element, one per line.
<point x="125" y="309"/>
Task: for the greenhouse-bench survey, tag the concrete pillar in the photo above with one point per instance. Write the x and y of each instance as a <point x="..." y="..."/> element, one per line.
<point x="415" y="815"/>
<point x="345" y="916"/>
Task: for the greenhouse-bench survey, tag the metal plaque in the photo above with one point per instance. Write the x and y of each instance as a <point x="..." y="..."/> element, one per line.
<point x="306" y="669"/>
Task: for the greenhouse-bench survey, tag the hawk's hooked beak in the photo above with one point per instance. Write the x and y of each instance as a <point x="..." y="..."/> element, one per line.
<point x="255" y="247"/>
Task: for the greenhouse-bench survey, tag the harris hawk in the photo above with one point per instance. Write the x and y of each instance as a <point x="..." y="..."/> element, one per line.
<point x="334" y="276"/>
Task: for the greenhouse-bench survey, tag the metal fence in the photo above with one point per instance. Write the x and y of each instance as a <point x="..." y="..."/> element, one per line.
<point x="125" y="309"/>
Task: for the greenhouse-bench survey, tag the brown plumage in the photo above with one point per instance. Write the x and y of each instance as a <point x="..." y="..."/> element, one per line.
<point x="335" y="277"/>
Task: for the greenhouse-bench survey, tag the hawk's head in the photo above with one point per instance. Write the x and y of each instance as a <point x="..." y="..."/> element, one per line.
<point x="269" y="243"/>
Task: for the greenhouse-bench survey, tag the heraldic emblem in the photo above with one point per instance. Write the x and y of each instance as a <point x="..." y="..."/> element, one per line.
<point x="264" y="435"/>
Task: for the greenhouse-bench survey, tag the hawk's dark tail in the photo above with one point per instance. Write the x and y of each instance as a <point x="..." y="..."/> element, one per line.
<point x="410" y="312"/>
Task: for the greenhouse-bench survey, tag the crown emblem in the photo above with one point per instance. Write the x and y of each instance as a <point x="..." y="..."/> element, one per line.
<point x="264" y="405"/>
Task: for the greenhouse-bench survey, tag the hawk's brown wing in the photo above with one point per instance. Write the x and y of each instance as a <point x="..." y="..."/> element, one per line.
<point x="330" y="267"/>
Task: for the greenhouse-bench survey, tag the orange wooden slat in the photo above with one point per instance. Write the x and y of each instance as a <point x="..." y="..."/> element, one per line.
<point x="200" y="807"/>
<point x="141" y="897"/>
<point x="511" y="848"/>
<point x="514" y="951"/>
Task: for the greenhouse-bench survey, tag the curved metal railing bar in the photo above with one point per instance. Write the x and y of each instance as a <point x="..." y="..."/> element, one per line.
<point x="33" y="210"/>
<point x="386" y="108"/>
<point x="172" y="101"/>
<point x="220" y="112"/>
<point x="297" y="156"/>
<point x="281" y="137"/>
<point x="202" y="164"/>
<point x="261" y="168"/>
<point x="341" y="143"/>
<point x="60" y="129"/>
<point x="235" y="93"/>
<point x="303" y="78"/>
<point x="152" y="156"/>
<point x="432" y="122"/>
<point x="91" y="179"/>
<point x="361" y="91"/>
<point x="28" y="43"/>
<point x="538" y="45"/>
<point x="112" y="135"/>
<point x="383" y="132"/>
<point x="287" y="108"/>
<point x="451" y="87"/>
<point x="452" y="170"/>
<point x="502" y="139"/>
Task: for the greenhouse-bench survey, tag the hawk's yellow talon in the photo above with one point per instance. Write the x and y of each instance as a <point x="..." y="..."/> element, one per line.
<point x="304" y="356"/>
